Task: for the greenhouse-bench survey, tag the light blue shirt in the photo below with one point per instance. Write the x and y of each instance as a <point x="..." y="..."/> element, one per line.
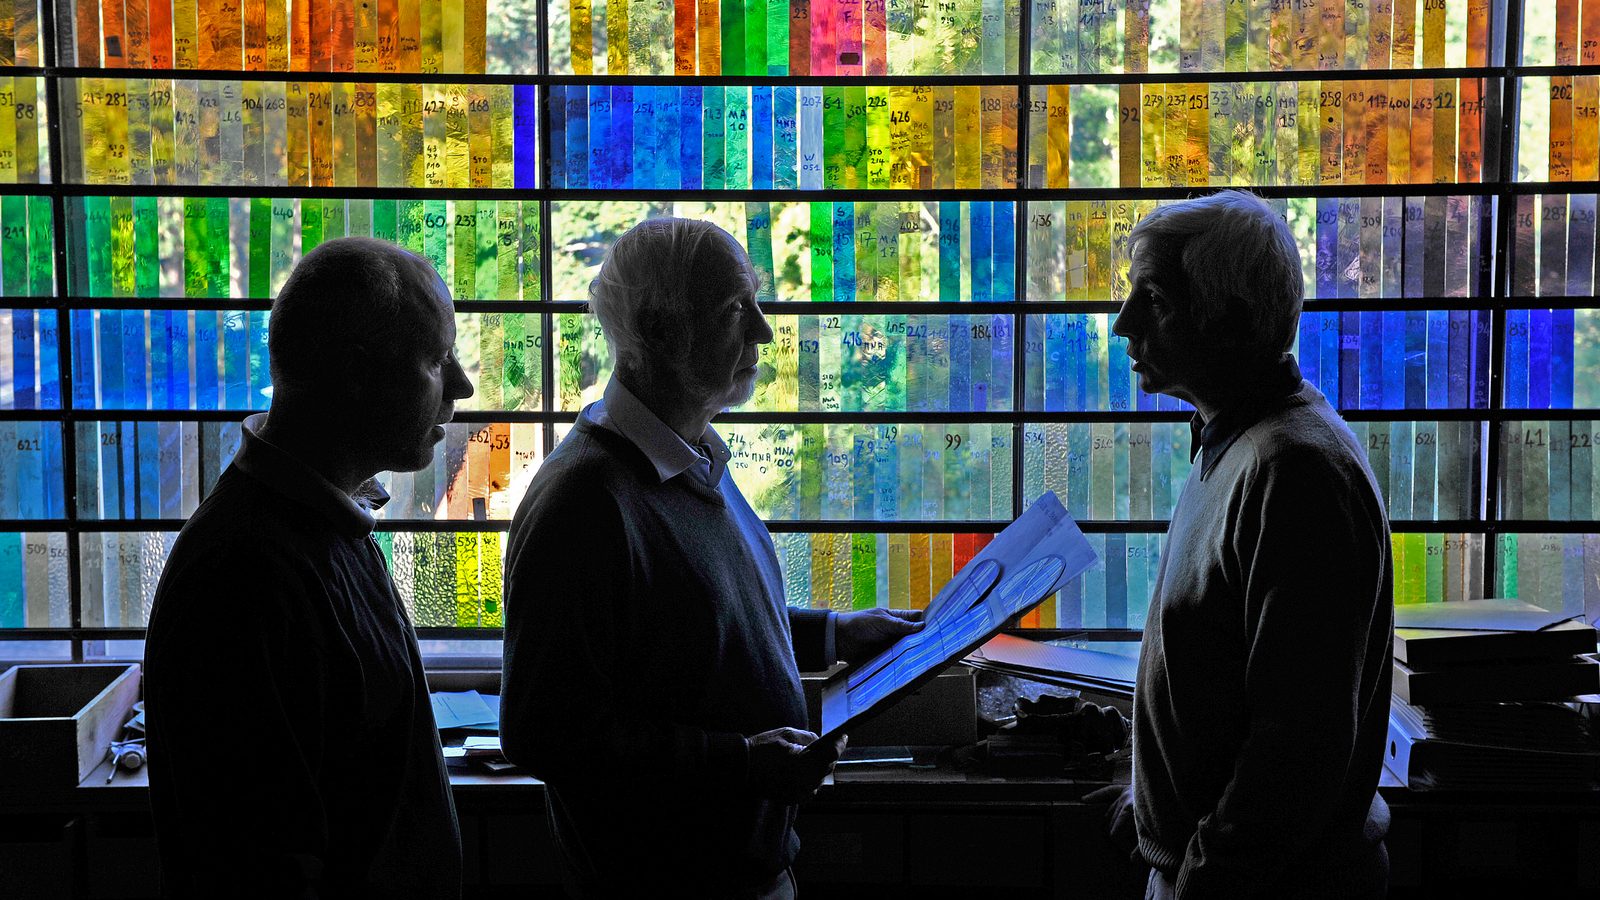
<point x="620" y="412"/>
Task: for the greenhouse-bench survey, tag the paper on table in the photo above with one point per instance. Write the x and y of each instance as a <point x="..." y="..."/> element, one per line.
<point x="1477" y="615"/>
<point x="1006" y="651"/>
<point x="1036" y="555"/>
<point x="460" y="710"/>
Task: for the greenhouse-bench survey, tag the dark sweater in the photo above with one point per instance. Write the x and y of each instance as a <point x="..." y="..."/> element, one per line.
<point x="1263" y="692"/>
<point x="644" y="638"/>
<point x="292" y="746"/>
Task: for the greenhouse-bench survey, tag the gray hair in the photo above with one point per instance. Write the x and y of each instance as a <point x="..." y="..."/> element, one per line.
<point x="1240" y="261"/>
<point x="653" y="278"/>
<point x="346" y="291"/>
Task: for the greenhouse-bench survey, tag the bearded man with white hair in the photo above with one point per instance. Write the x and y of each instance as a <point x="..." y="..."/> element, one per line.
<point x="1261" y="710"/>
<point x="651" y="660"/>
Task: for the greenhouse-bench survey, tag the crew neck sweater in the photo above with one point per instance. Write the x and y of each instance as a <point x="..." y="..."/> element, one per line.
<point x="646" y="635"/>
<point x="293" y="752"/>
<point x="1263" y="690"/>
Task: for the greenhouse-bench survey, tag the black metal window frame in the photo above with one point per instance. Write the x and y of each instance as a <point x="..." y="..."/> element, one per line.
<point x="1499" y="187"/>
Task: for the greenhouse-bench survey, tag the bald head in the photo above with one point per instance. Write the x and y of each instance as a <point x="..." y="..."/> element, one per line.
<point x="348" y="293"/>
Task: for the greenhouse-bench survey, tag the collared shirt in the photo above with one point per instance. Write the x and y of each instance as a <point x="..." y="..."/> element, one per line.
<point x="1278" y="383"/>
<point x="276" y="468"/>
<point x="621" y="412"/>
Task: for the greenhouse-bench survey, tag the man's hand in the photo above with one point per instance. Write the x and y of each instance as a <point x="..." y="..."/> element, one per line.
<point x="782" y="770"/>
<point x="858" y="635"/>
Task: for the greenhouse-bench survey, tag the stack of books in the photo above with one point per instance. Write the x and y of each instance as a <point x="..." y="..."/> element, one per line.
<point x="1481" y="698"/>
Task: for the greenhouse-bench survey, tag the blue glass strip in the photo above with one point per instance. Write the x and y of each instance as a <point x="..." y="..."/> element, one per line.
<point x="49" y="360"/>
<point x="1517" y="361"/>
<point x="558" y="140"/>
<point x="54" y="504"/>
<point x="621" y="140"/>
<point x="982" y="253"/>
<point x="1003" y="271"/>
<point x="1459" y="361"/>
<point x="1540" y="333"/>
<point x="1438" y="359"/>
<point x="1416" y="359"/>
<point x="177" y="380"/>
<point x="690" y="110"/>
<point x="1394" y="359"/>
<point x="761" y="142"/>
<point x="949" y="251"/>
<point x="1562" y="327"/>
<point x="24" y="380"/>
<point x="205" y="356"/>
<point x="785" y="141"/>
<point x="525" y="133"/>
<point x="150" y="483"/>
<point x="577" y="142"/>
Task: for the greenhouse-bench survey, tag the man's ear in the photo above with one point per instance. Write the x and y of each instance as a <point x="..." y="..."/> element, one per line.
<point x="352" y="373"/>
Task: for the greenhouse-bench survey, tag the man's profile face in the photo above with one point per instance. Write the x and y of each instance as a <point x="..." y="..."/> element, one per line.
<point x="415" y="385"/>
<point x="1169" y="354"/>
<point x="720" y="363"/>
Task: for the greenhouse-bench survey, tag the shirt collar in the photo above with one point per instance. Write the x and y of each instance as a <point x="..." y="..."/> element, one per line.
<point x="277" y="469"/>
<point x="1275" y="386"/>
<point x="622" y="412"/>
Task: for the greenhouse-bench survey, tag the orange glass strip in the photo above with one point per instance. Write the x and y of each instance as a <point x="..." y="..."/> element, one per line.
<point x="113" y="35"/>
<point x="1403" y="37"/>
<point x="87" y="22"/>
<point x="1566" y="36"/>
<point x="136" y="22"/>
<point x="1561" y="128"/>
<point x="1354" y="166"/>
<point x="1376" y="137"/>
<point x="300" y="35"/>
<point x="342" y="36"/>
<point x="255" y="35"/>
<point x="1422" y="131"/>
<point x="1478" y="32"/>
<point x="1469" y="158"/>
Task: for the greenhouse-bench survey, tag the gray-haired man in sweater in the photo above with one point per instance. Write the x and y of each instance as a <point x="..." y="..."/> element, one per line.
<point x="652" y="662"/>
<point x="1263" y="694"/>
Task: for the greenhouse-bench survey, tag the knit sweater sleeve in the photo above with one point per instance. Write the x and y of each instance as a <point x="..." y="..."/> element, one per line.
<point x="1310" y="549"/>
<point x="564" y="714"/>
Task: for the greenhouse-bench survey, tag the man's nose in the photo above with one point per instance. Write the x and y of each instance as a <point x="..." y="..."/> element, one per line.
<point x="460" y="386"/>
<point x="761" y="330"/>
<point x="1127" y="322"/>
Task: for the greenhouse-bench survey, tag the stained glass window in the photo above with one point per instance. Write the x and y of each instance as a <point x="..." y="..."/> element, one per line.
<point x="937" y="194"/>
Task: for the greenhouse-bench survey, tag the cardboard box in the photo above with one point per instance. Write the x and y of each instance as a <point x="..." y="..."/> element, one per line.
<point x="57" y="722"/>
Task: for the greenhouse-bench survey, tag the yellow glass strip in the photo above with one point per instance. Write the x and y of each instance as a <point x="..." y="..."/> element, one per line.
<point x="344" y="130"/>
<point x="161" y="149"/>
<point x="710" y="37"/>
<point x="480" y="140"/>
<point x="966" y="120"/>
<point x="1354" y="164"/>
<point x="366" y="124"/>
<point x="452" y="37"/>
<point x="456" y="149"/>
<point x="1058" y="135"/>
<point x="1445" y="104"/>
<point x="185" y="35"/>
<point x="1128" y="138"/>
<point x="617" y="37"/>
<point x="1332" y="122"/>
<point x="1197" y="143"/>
<point x="476" y="49"/>
<point x="921" y="565"/>
<point x="902" y="174"/>
<point x="1399" y="140"/>
<point x="1403" y="37"/>
<point x="501" y="103"/>
<point x="298" y="108"/>
<point x="319" y="104"/>
<point x="1152" y="135"/>
<point x="1434" y="14"/>
<point x="1585" y="134"/>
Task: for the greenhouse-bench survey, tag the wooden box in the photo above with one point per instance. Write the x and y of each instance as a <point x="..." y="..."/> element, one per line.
<point x="57" y="722"/>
